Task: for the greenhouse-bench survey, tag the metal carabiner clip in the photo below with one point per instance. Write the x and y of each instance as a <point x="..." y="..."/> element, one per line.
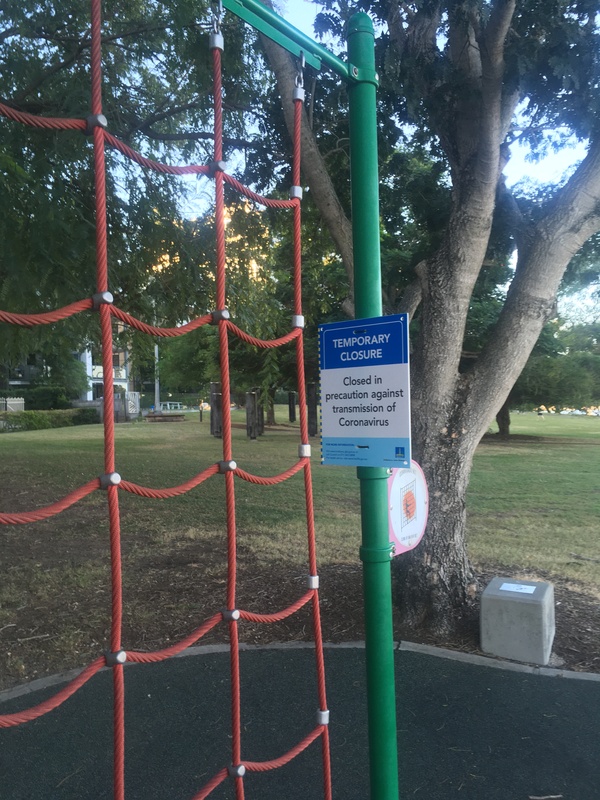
<point x="217" y="17"/>
<point x="300" y="72"/>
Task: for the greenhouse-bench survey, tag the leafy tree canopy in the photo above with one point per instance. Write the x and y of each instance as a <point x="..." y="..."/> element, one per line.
<point x="157" y="84"/>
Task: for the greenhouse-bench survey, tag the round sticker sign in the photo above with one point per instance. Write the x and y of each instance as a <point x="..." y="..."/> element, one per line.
<point x="408" y="507"/>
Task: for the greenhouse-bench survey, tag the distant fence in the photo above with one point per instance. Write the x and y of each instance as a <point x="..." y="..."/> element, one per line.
<point x="12" y="404"/>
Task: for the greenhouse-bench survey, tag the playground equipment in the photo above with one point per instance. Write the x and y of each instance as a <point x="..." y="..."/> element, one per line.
<point x="375" y="551"/>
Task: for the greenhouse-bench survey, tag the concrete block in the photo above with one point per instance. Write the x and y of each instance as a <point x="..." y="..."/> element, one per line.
<point x="517" y="620"/>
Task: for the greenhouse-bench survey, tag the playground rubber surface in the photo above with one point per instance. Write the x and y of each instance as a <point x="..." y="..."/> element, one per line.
<point x="466" y="731"/>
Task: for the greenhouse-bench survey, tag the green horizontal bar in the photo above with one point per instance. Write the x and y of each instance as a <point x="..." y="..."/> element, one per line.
<point x="279" y="38"/>
<point x="289" y="37"/>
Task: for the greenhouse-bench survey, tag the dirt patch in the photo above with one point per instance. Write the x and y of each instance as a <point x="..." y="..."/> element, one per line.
<point x="55" y="615"/>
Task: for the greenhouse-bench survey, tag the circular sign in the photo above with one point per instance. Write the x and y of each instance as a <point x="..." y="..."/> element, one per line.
<point x="408" y="507"/>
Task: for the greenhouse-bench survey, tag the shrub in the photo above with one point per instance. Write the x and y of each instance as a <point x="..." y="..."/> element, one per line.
<point x="45" y="398"/>
<point x="85" y="416"/>
<point x="41" y="420"/>
<point x="39" y="398"/>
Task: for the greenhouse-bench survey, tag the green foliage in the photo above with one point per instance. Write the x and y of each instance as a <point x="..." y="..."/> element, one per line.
<point x="85" y="416"/>
<point x="156" y="96"/>
<point x="65" y="371"/>
<point x="568" y="375"/>
<point x="186" y="362"/>
<point x="46" y="397"/>
<point x="42" y="420"/>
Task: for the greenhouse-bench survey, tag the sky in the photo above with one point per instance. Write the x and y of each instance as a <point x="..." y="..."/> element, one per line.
<point x="300" y="13"/>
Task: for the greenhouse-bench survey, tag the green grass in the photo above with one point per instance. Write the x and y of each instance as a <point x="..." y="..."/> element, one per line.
<point x="531" y="503"/>
<point x="529" y="424"/>
<point x="534" y="504"/>
<point x="45" y="465"/>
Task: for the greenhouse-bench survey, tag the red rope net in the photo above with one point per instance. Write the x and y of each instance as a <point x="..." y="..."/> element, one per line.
<point x="112" y="483"/>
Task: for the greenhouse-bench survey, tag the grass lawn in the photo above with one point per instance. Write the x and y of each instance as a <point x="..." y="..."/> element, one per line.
<point x="533" y="508"/>
<point x="534" y="503"/>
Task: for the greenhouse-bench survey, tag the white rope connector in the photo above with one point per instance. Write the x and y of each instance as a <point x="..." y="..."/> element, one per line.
<point x="95" y="121"/>
<point x="298" y="321"/>
<point x="323" y="717"/>
<point x="295" y="192"/>
<point x="304" y="451"/>
<point x="216" y="41"/>
<point x="113" y="659"/>
<point x="217" y="166"/>
<point x="227" y="466"/>
<point x="230" y="615"/>
<point x="101" y="299"/>
<point x="236" y="771"/>
<point x="298" y="93"/>
<point x="219" y="314"/>
<point x="312" y="581"/>
<point x="109" y="479"/>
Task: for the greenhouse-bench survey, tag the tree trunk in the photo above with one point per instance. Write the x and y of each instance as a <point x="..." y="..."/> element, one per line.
<point x="251" y="415"/>
<point x="434" y="583"/>
<point x="503" y="420"/>
<point x="271" y="407"/>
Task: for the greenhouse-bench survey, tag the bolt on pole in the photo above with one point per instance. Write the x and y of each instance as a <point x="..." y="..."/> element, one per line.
<point x="376" y="550"/>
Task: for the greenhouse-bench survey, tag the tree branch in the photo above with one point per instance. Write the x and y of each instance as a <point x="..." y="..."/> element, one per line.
<point x="571" y="218"/>
<point x="197" y="136"/>
<point x="519" y="227"/>
<point x="143" y="127"/>
<point x="497" y="29"/>
<point x="496" y="109"/>
<point x="411" y="299"/>
<point x="18" y="99"/>
<point x="6" y="34"/>
<point x="417" y="37"/>
<point x="83" y="45"/>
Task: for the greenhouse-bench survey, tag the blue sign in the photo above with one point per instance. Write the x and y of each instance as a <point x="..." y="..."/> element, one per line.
<point x="365" y="395"/>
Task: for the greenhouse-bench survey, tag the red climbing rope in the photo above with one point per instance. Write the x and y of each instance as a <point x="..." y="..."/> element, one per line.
<point x="51" y="123"/>
<point x="175" y="491"/>
<point x="157" y="166"/>
<point x="278" y="616"/>
<point x="178" y="647"/>
<point x="18" y="718"/>
<point x="260" y="481"/>
<point x="264" y="343"/>
<point x="53" y="509"/>
<point x="258" y="198"/>
<point x="155" y="330"/>
<point x="45" y="318"/>
<point x="110" y="480"/>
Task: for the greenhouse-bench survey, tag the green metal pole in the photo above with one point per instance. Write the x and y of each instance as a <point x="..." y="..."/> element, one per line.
<point x="375" y="551"/>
